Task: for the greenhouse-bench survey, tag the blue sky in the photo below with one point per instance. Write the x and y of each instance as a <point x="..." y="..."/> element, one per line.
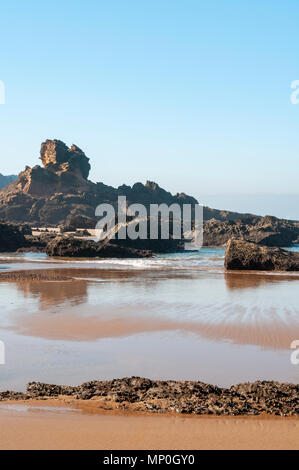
<point x="194" y="95"/>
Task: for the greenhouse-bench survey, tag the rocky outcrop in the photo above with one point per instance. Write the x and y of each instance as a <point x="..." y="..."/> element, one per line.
<point x="36" y="243"/>
<point x="78" y="221"/>
<point x="157" y="396"/>
<point x="152" y="193"/>
<point x="65" y="170"/>
<point x="242" y="255"/>
<point x="59" y="193"/>
<point x="57" y="157"/>
<point x="268" y="231"/>
<point x="5" y="180"/>
<point x="60" y="190"/>
<point x="76" y="247"/>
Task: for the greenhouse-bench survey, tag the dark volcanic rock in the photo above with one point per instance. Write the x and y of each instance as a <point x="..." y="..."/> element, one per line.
<point x="72" y="247"/>
<point x="37" y="243"/>
<point x="76" y="247"/>
<point x="159" y="396"/>
<point x="242" y="255"/>
<point x="11" y="237"/>
<point x="268" y="231"/>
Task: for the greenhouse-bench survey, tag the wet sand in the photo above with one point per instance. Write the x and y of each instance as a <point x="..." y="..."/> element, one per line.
<point x="75" y="324"/>
<point x="69" y="321"/>
<point x="72" y="324"/>
<point x="51" y="425"/>
<point x="66" y="289"/>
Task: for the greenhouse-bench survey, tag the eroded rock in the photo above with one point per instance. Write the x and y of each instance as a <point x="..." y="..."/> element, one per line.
<point x="157" y="396"/>
<point x="268" y="231"/>
<point x="243" y="255"/>
<point x="70" y="247"/>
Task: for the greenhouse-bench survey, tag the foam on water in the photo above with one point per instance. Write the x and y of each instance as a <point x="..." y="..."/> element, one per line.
<point x="206" y="257"/>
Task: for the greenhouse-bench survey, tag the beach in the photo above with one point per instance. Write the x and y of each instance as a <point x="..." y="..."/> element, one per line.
<point x="175" y="317"/>
<point x="83" y="427"/>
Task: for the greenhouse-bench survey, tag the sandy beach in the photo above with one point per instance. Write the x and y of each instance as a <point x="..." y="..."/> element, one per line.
<point x="83" y="427"/>
<point x="79" y="321"/>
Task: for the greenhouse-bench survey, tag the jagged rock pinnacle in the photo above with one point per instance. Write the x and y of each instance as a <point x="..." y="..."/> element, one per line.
<point x="56" y="156"/>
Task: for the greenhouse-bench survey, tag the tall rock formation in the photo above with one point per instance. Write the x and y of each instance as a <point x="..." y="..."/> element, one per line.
<point x="59" y="192"/>
<point x="58" y="158"/>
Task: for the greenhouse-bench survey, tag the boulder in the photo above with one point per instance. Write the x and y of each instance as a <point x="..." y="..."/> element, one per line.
<point x="243" y="255"/>
<point x="70" y="247"/>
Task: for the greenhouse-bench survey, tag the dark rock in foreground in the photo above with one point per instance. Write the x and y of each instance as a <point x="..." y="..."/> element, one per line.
<point x="70" y="247"/>
<point x="242" y="255"/>
<point x="158" y="396"/>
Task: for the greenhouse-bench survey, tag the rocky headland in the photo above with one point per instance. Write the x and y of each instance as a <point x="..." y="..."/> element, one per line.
<point x="59" y="194"/>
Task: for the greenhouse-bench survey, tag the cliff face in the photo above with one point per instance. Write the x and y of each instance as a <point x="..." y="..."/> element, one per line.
<point x="58" y="158"/>
<point x="64" y="170"/>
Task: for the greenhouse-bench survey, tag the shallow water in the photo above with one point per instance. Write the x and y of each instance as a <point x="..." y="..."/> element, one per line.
<point x="174" y="317"/>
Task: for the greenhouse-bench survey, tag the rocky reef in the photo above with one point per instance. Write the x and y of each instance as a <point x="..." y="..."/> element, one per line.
<point x="243" y="255"/>
<point x="141" y="394"/>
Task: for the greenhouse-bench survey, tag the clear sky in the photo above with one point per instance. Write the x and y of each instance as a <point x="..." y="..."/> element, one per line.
<point x="192" y="94"/>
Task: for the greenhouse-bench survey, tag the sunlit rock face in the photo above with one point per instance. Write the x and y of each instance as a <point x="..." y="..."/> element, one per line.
<point x="57" y="157"/>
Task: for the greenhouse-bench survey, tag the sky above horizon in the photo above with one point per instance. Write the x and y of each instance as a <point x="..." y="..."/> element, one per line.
<point x="193" y="95"/>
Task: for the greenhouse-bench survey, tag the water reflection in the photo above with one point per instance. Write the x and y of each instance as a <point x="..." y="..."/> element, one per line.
<point x="243" y="280"/>
<point x="245" y="309"/>
<point x="216" y="327"/>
